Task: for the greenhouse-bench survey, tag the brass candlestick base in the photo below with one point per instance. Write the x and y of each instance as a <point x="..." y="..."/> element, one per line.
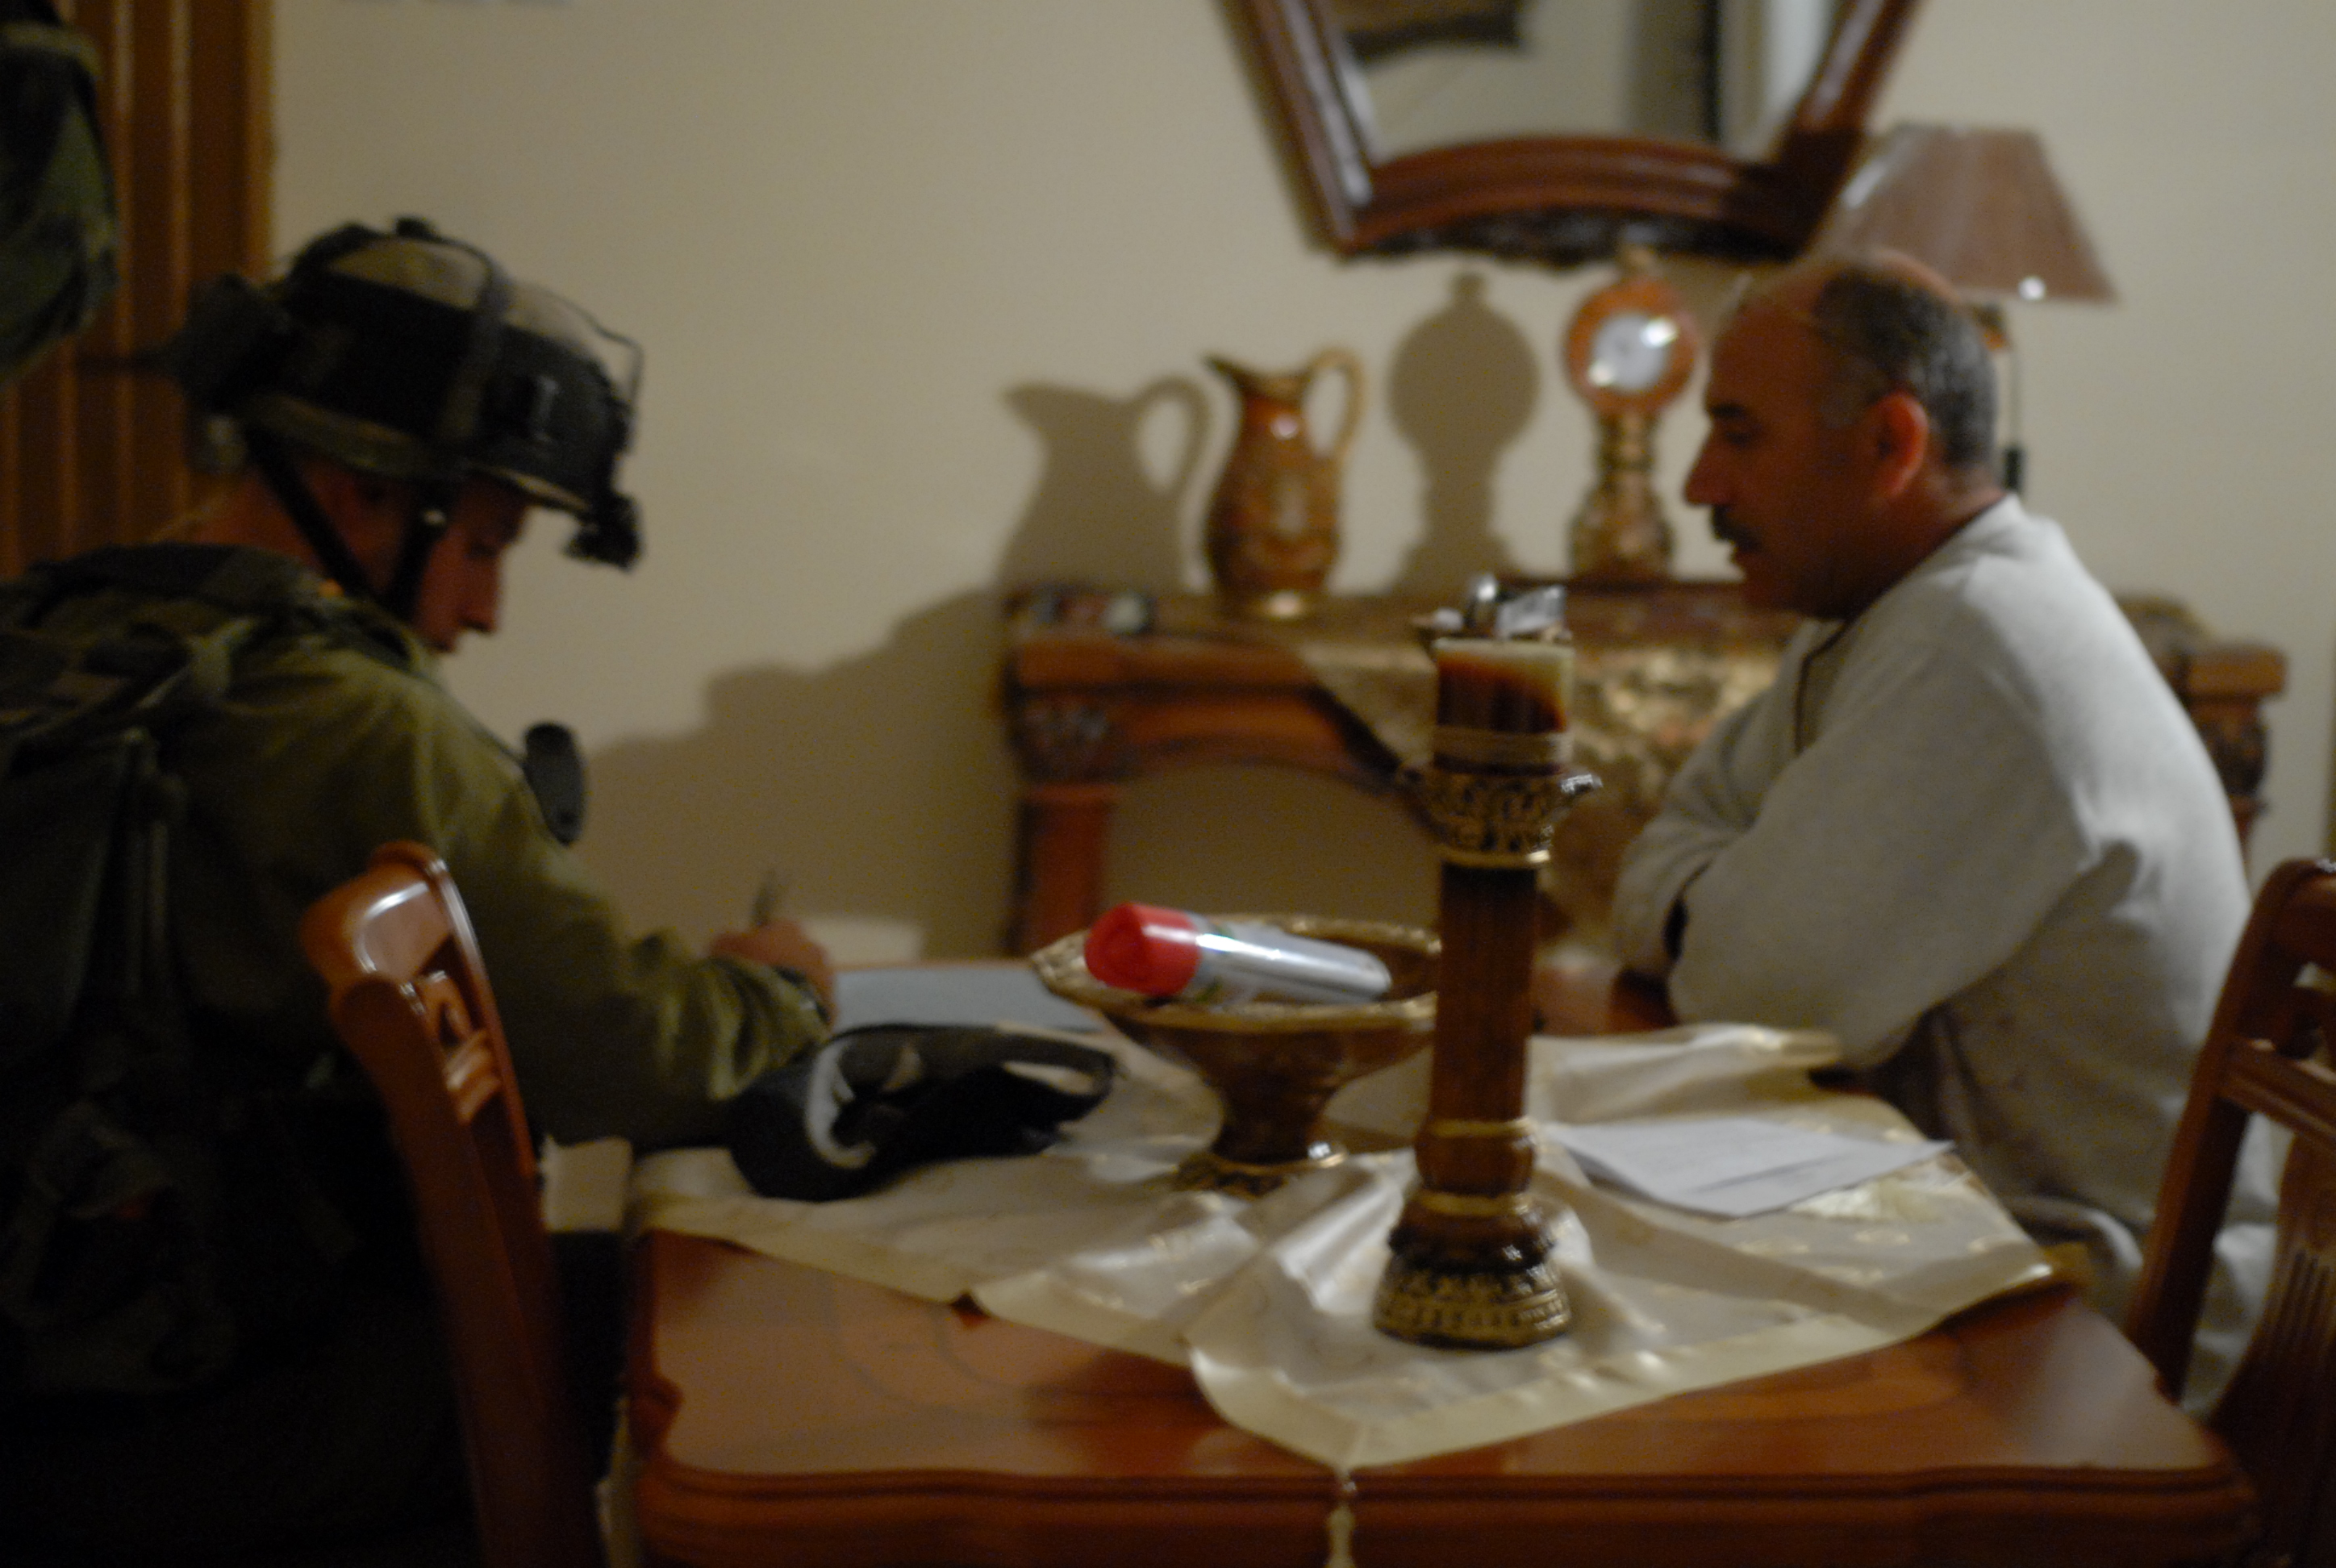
<point x="1469" y="1309"/>
<point x="1470" y="1265"/>
<point x="1620" y="534"/>
<point x="1473" y="1273"/>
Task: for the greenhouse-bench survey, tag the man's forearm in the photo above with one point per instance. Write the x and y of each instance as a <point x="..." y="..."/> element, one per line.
<point x="1649" y="915"/>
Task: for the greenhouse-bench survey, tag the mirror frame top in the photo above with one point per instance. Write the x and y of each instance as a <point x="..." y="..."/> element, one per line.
<point x="1566" y="201"/>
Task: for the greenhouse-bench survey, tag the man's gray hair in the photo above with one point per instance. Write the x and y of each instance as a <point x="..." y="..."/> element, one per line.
<point x="1889" y="333"/>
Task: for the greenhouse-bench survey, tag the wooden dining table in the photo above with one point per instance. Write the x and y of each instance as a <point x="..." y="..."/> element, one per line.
<point x="783" y="1414"/>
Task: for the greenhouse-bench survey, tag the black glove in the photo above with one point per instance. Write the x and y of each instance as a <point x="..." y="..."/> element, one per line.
<point x="876" y="1100"/>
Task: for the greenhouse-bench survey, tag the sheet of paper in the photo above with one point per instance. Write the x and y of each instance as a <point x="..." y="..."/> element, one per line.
<point x="976" y="994"/>
<point x="1732" y="1165"/>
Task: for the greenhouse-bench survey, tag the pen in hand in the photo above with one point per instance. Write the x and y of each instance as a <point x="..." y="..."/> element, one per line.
<point x="768" y="896"/>
<point x="780" y="944"/>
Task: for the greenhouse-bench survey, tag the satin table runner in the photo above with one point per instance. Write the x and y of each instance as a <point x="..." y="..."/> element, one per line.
<point x="1268" y="1300"/>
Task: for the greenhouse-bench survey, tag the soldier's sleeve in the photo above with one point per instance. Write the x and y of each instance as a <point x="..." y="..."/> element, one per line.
<point x="611" y="1032"/>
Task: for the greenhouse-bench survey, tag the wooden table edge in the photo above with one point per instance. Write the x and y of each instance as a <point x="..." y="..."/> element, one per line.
<point x="698" y="1516"/>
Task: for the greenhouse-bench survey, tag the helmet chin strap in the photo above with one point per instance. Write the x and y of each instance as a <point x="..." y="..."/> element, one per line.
<point x="426" y="525"/>
<point x="459" y="418"/>
<point x="424" y="529"/>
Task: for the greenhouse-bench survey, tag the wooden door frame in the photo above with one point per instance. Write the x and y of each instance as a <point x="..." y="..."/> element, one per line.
<point x="93" y="447"/>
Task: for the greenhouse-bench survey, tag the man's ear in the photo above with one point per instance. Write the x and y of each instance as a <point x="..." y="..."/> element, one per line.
<point x="1897" y="440"/>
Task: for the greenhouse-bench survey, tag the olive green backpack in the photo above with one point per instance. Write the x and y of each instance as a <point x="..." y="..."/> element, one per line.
<point x="173" y="1199"/>
<point x="148" y="1209"/>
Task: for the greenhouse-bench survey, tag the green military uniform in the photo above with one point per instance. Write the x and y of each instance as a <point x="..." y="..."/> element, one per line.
<point x="335" y="735"/>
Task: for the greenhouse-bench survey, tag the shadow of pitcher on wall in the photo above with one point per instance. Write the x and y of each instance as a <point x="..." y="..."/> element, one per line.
<point x="1273" y="526"/>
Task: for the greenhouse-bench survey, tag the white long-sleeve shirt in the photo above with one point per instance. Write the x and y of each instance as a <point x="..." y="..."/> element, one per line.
<point x="1973" y="834"/>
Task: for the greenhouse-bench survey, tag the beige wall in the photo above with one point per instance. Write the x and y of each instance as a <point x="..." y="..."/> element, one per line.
<point x="925" y="285"/>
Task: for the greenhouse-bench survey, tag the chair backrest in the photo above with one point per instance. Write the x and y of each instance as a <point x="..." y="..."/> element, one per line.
<point x="2267" y="1054"/>
<point x="410" y="998"/>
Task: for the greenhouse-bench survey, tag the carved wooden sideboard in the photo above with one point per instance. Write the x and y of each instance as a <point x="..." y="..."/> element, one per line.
<point x="1090" y="708"/>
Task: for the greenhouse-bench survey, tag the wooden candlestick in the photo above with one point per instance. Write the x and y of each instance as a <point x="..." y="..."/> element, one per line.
<point x="1471" y="1266"/>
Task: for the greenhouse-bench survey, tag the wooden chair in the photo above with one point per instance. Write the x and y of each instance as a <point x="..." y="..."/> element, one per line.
<point x="410" y="997"/>
<point x="2267" y="1055"/>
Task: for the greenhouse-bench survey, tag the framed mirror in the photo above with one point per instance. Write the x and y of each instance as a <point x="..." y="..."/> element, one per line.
<point x="1558" y="130"/>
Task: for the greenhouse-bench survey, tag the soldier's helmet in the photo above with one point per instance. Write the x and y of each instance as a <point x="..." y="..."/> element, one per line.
<point x="415" y="357"/>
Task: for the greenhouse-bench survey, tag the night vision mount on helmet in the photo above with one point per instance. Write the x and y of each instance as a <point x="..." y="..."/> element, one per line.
<point x="416" y="357"/>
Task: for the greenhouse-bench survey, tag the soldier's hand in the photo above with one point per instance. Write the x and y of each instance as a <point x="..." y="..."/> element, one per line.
<point x="781" y="944"/>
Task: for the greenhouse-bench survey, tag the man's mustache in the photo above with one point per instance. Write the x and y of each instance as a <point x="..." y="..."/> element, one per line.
<point x="1724" y="528"/>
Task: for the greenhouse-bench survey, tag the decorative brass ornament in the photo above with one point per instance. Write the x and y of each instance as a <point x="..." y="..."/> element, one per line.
<point x="1485" y="819"/>
<point x="1619" y="534"/>
<point x="1206" y="1170"/>
<point x="1473" y="1309"/>
<point x="1479" y="1206"/>
<point x="1271" y="1064"/>
<point x="1629" y="353"/>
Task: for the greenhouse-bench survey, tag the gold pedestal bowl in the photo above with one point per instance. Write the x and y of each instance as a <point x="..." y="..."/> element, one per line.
<point x="1274" y="1066"/>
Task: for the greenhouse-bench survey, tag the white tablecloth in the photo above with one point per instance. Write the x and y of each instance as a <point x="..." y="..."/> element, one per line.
<point x="1268" y="1301"/>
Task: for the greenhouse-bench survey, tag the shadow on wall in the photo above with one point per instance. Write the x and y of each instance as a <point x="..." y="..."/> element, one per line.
<point x="1120" y="479"/>
<point x="881" y="790"/>
<point x="877" y="788"/>
<point x="1461" y="391"/>
<point x="1270" y="841"/>
<point x="1112" y="498"/>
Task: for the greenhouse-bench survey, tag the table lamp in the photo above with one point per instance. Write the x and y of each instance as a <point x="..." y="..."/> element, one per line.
<point x="1980" y="207"/>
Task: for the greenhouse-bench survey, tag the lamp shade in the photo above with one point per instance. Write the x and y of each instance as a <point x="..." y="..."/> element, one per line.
<point x="1979" y="207"/>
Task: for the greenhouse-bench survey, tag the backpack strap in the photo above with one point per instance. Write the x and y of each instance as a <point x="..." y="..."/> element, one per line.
<point x="124" y="1147"/>
<point x="229" y="576"/>
<point x="236" y="579"/>
<point x="56" y="694"/>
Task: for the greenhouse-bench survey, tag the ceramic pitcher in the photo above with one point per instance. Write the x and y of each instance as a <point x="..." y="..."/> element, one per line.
<point x="1273" y="527"/>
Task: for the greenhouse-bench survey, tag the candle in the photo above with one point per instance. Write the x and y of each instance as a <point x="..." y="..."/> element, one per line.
<point x="1521" y="687"/>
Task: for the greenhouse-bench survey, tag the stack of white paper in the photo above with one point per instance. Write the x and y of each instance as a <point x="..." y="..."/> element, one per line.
<point x="1731" y="1166"/>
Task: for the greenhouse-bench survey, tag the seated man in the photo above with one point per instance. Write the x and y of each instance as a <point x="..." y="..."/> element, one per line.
<point x="405" y="406"/>
<point x="1969" y="829"/>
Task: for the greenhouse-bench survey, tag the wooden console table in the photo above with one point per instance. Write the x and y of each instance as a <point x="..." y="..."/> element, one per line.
<point x="1089" y="709"/>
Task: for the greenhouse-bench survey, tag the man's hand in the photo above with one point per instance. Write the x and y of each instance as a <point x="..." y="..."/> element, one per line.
<point x="781" y="944"/>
